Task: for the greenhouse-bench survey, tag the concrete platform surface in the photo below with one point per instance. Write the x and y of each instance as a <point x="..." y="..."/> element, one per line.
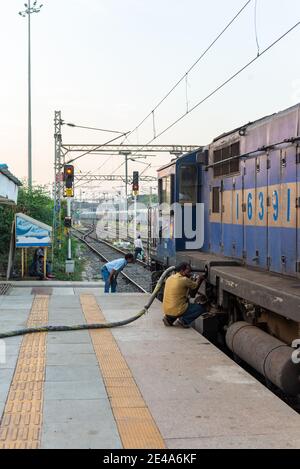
<point x="55" y="288"/>
<point x="138" y="386"/>
<point x="53" y="283"/>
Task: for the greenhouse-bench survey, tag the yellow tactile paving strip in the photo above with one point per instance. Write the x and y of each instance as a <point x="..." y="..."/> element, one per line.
<point x="135" y="423"/>
<point x="21" y="422"/>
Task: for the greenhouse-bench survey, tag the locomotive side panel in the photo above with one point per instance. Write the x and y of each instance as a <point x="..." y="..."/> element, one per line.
<point x="215" y="216"/>
<point x="255" y="197"/>
<point x="225" y="209"/>
<point x="205" y="195"/>
<point x="253" y="203"/>
<point x="237" y="217"/>
<point x="282" y="191"/>
<point x="290" y="221"/>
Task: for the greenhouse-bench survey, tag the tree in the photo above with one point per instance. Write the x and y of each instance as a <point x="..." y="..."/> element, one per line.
<point x="36" y="203"/>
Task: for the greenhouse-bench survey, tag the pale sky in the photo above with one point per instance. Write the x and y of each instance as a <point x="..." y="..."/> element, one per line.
<point x="106" y="63"/>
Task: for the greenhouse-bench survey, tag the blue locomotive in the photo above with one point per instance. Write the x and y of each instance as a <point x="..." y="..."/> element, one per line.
<point x="247" y="182"/>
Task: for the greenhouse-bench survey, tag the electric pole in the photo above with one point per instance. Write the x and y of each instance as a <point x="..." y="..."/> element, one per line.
<point x="29" y="11"/>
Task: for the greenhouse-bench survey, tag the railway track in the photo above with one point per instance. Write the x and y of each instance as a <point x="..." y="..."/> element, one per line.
<point x="92" y="236"/>
<point x="137" y="276"/>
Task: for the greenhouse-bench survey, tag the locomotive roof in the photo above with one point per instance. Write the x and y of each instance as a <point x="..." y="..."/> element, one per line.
<point x="174" y="160"/>
<point x="225" y="134"/>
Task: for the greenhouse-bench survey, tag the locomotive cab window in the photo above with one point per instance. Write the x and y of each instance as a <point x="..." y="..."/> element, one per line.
<point x="230" y="166"/>
<point x="166" y="189"/>
<point x="188" y="184"/>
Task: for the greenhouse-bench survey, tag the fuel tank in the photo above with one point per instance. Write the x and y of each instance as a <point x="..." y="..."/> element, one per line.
<point x="266" y="354"/>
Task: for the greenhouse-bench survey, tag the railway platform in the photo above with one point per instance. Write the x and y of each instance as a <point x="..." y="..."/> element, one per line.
<point x="138" y="386"/>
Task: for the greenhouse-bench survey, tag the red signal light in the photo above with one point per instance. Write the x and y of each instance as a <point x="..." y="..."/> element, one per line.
<point x="135" y="181"/>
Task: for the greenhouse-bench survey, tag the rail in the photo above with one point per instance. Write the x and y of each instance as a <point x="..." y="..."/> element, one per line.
<point x="121" y="251"/>
<point x="98" y="253"/>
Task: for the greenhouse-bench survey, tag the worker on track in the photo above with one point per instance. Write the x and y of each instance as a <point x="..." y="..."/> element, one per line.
<point x="138" y="247"/>
<point x="111" y="270"/>
<point x="176" y="307"/>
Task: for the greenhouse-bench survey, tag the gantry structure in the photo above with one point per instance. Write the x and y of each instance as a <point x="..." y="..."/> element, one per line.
<point x="69" y="153"/>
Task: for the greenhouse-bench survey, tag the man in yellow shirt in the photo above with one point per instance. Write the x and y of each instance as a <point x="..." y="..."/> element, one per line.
<point x="177" y="309"/>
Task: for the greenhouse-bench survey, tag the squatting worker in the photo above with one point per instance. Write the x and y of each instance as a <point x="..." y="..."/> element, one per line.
<point x="111" y="270"/>
<point x="177" y="309"/>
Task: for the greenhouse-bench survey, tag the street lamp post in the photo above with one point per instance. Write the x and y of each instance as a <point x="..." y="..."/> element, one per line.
<point x="29" y="10"/>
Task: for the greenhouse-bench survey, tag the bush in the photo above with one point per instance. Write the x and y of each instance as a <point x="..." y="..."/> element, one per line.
<point x="6" y="219"/>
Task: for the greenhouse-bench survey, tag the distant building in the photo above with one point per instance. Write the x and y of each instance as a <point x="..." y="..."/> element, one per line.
<point x="9" y="186"/>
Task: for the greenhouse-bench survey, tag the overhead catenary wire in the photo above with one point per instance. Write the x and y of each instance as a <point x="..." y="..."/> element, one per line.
<point x="154" y="126"/>
<point x="97" y="129"/>
<point x="187" y="92"/>
<point x="255" y="27"/>
<point x="94" y="170"/>
<point x="89" y="172"/>
<point x="222" y="85"/>
<point x="97" y="148"/>
<point x="92" y="128"/>
<point x="120" y="166"/>
<point x="77" y="185"/>
<point x="184" y="77"/>
<point x="146" y="169"/>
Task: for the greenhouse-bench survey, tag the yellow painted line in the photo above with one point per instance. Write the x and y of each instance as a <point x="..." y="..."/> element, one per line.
<point x="20" y="426"/>
<point x="135" y="423"/>
<point x="136" y="428"/>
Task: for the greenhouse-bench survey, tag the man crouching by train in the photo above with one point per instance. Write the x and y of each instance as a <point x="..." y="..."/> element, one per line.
<point x="177" y="309"/>
<point x="111" y="270"/>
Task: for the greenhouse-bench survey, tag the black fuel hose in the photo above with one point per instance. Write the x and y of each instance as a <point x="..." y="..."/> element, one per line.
<point x="80" y="327"/>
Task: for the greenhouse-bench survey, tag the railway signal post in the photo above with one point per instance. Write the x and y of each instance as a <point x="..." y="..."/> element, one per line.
<point x="135" y="191"/>
<point x="69" y="193"/>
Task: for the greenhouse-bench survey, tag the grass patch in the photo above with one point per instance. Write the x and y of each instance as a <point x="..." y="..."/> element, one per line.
<point x="59" y="267"/>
